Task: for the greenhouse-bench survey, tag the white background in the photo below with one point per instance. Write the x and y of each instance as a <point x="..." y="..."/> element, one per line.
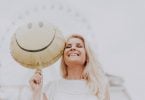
<point x="118" y="28"/>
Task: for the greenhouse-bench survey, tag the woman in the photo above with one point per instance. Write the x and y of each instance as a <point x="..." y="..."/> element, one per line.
<point x="83" y="78"/>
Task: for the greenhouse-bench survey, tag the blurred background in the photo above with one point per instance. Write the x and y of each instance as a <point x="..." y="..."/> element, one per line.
<point x="115" y="30"/>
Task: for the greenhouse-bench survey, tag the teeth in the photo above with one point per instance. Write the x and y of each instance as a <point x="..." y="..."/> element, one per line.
<point x="73" y="54"/>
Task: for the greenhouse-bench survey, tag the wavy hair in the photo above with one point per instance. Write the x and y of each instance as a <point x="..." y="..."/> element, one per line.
<point x="92" y="73"/>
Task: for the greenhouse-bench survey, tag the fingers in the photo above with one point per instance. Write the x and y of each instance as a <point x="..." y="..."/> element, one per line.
<point x="36" y="80"/>
<point x="38" y="71"/>
<point x="38" y="77"/>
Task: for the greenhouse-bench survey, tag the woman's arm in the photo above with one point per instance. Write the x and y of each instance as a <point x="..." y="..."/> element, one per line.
<point x="44" y="97"/>
<point x="107" y="93"/>
<point x="39" y="96"/>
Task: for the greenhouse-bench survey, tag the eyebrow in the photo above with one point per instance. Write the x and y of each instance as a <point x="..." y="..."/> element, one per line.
<point x="70" y="43"/>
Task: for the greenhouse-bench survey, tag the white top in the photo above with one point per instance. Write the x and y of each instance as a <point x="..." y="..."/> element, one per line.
<point x="68" y="90"/>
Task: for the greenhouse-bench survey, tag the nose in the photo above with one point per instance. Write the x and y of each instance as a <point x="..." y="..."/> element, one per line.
<point x="73" y="48"/>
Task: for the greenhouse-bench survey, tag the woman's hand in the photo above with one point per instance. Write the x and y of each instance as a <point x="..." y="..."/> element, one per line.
<point x="36" y="82"/>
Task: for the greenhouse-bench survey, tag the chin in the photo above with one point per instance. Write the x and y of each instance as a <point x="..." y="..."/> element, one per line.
<point x="74" y="59"/>
<point x="74" y="62"/>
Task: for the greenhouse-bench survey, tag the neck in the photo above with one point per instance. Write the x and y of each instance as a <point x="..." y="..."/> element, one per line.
<point x="75" y="72"/>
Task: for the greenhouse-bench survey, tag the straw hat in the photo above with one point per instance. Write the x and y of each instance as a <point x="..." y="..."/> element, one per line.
<point x="37" y="45"/>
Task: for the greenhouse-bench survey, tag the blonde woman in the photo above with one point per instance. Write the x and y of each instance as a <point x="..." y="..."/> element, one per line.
<point x="83" y="78"/>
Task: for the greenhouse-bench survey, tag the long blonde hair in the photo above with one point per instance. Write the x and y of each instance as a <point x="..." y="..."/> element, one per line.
<point x="92" y="73"/>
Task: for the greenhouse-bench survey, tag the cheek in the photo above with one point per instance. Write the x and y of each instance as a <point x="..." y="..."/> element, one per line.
<point x="84" y="56"/>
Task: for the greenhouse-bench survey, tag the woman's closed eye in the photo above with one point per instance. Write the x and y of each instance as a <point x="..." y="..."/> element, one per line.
<point x="79" y="45"/>
<point x="68" y="46"/>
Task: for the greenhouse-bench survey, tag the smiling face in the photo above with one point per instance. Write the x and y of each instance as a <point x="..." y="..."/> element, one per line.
<point x="75" y="52"/>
